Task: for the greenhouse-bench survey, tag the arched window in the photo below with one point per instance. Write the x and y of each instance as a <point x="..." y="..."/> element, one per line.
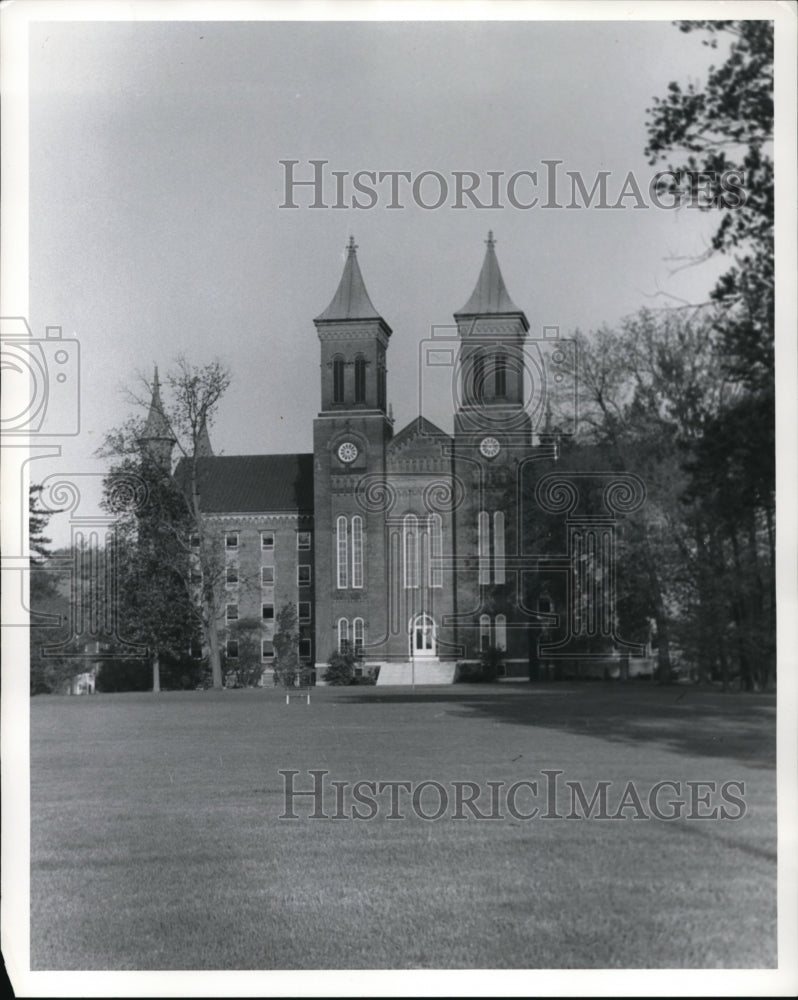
<point x="381" y="392"/>
<point x="501" y="632"/>
<point x="500" y="375"/>
<point x="343" y="576"/>
<point x="498" y="547"/>
<point x="358" y="635"/>
<point x="343" y="635"/>
<point x="483" y="547"/>
<point x="411" y="550"/>
<point x="357" y="551"/>
<point x="338" y="379"/>
<point x="360" y="379"/>
<point x="435" y="551"/>
<point x="479" y="377"/>
<point x="484" y="632"/>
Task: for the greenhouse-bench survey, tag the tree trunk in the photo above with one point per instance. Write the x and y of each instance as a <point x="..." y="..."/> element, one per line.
<point x="156" y="672"/>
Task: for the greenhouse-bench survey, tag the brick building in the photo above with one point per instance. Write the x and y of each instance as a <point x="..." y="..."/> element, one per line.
<point x="403" y="545"/>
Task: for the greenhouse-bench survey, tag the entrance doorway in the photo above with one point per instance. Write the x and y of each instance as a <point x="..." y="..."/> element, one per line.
<point x="422" y="638"/>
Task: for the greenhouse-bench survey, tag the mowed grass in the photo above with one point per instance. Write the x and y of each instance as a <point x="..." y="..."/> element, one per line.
<point x="157" y="844"/>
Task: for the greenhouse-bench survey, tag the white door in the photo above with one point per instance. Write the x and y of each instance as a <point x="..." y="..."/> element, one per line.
<point x="422" y="637"/>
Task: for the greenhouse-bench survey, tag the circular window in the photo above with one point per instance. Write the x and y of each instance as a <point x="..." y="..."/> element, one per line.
<point x="347" y="452"/>
<point x="490" y="447"/>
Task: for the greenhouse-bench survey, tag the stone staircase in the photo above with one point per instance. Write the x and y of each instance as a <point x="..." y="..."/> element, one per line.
<point x="426" y="672"/>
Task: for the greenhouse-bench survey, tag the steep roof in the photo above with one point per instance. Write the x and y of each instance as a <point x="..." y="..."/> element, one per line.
<point x="253" y="483"/>
<point x="490" y="295"/>
<point x="351" y="301"/>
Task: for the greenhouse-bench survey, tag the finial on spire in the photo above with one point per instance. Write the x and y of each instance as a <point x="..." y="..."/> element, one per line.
<point x="351" y="246"/>
<point x="156" y="380"/>
<point x="490" y="240"/>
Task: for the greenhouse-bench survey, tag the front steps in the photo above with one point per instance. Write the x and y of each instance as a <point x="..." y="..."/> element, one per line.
<point x="426" y="672"/>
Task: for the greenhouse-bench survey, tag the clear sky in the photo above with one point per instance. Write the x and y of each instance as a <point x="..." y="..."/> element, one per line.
<point x="155" y="193"/>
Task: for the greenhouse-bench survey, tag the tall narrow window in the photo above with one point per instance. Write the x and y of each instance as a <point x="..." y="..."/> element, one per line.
<point x="360" y="379"/>
<point x="479" y="377"/>
<point x="411" y="550"/>
<point x="501" y="632"/>
<point x="498" y="547"/>
<point x="436" y="551"/>
<point x="338" y="380"/>
<point x="343" y="575"/>
<point x="381" y="392"/>
<point x="484" y="632"/>
<point x="343" y="635"/>
<point x="500" y="376"/>
<point x="483" y="547"/>
<point x="357" y="551"/>
<point x="358" y="636"/>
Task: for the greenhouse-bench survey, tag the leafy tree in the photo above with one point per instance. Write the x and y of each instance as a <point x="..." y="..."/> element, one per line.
<point x="722" y="129"/>
<point x="49" y="605"/>
<point x="154" y="602"/>
<point x="286" y="646"/>
<point x="38" y="519"/>
<point x="180" y="539"/>
<point x="247" y="665"/>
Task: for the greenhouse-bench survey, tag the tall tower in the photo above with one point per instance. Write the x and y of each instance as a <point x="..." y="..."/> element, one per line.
<point x="157" y="440"/>
<point x="350" y="435"/>
<point x="492" y="437"/>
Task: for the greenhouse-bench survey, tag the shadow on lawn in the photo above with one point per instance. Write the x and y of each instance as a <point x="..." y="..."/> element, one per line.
<point x="692" y="721"/>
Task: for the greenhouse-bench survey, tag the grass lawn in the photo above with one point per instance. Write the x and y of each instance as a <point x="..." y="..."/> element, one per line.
<point x="156" y="842"/>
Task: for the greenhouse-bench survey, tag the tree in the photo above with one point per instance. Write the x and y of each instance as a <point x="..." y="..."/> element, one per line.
<point x="154" y="603"/>
<point x="286" y="646"/>
<point x="47" y="603"/>
<point x="725" y="131"/>
<point x="38" y="519"/>
<point x="247" y="665"/>
<point x="173" y="533"/>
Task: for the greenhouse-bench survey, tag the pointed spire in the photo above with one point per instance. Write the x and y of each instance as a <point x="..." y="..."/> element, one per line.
<point x="157" y="439"/>
<point x="351" y="301"/>
<point x="204" y="449"/>
<point x="490" y="296"/>
<point x="156" y="425"/>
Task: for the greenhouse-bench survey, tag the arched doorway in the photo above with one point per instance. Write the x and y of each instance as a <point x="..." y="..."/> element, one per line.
<point x="423" y="638"/>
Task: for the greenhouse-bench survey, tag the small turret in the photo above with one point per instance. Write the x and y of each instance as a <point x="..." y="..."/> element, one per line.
<point x="157" y="440"/>
<point x="204" y="449"/>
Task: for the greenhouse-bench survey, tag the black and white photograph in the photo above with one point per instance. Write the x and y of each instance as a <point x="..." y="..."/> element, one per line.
<point x="399" y="498"/>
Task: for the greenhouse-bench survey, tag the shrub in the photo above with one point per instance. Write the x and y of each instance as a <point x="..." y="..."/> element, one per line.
<point x="491" y="661"/>
<point x="487" y="669"/>
<point x="340" y="669"/>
